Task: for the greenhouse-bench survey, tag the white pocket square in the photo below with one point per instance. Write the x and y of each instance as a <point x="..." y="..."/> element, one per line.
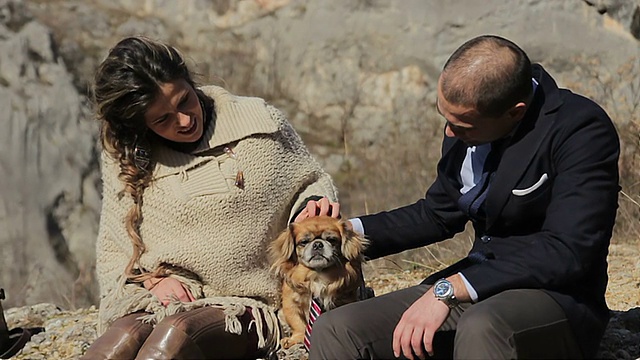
<point x="532" y="188"/>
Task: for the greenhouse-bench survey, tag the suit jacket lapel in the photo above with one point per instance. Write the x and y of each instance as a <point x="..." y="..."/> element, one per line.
<point x="524" y="144"/>
<point x="453" y="153"/>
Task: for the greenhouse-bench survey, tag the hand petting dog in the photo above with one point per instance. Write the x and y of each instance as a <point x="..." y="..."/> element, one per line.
<point x="319" y="208"/>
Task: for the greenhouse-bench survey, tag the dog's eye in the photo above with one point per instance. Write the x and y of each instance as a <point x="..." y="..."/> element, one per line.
<point x="303" y="243"/>
<point x="333" y="239"/>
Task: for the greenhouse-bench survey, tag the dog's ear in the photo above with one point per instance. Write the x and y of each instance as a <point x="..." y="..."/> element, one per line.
<point x="282" y="251"/>
<point x="353" y="244"/>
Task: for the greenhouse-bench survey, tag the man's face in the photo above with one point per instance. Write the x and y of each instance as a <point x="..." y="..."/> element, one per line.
<point x="468" y="125"/>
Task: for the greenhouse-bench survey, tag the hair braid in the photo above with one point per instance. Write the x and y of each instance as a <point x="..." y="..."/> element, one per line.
<point x="126" y="83"/>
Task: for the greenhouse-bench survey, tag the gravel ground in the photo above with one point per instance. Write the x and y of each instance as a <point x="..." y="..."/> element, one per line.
<point x="69" y="333"/>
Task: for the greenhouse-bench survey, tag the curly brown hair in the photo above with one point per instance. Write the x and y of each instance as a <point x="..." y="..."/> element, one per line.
<point x="125" y="85"/>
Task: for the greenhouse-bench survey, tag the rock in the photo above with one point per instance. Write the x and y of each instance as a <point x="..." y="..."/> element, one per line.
<point x="68" y="334"/>
<point x="627" y="13"/>
<point x="47" y="159"/>
<point x="357" y="79"/>
<point x="622" y="338"/>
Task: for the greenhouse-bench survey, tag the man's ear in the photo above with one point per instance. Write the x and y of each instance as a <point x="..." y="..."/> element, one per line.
<point x="516" y="113"/>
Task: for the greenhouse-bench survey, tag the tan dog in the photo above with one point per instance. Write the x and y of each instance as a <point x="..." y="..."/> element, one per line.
<point x="321" y="257"/>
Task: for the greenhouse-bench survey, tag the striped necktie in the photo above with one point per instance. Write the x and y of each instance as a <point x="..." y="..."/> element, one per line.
<point x="315" y="309"/>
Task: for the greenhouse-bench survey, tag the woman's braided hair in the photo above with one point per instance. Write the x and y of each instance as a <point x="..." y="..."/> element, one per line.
<point x="125" y="85"/>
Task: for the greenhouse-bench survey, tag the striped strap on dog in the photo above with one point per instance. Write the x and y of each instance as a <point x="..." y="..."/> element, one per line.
<point x="315" y="309"/>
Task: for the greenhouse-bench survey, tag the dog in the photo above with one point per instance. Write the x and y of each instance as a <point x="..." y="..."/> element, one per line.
<point x="318" y="257"/>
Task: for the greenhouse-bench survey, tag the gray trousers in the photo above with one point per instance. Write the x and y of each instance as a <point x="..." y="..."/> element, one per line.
<point x="515" y="324"/>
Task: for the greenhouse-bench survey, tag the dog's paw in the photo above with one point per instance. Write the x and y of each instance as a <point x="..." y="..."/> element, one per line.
<point x="291" y="341"/>
<point x="286" y="343"/>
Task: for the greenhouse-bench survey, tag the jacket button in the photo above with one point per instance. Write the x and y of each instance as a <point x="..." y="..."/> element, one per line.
<point x="485" y="238"/>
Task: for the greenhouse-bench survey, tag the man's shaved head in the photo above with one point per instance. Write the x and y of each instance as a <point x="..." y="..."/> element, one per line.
<point x="488" y="73"/>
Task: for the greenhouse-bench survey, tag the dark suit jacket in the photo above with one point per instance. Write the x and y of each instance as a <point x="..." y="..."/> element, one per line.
<point x="552" y="232"/>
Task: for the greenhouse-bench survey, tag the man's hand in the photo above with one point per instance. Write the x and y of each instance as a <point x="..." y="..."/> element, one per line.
<point x="319" y="208"/>
<point x="417" y="326"/>
<point x="168" y="289"/>
<point x="422" y="319"/>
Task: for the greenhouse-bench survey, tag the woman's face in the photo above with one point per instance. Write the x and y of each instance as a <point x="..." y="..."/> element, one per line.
<point x="176" y="114"/>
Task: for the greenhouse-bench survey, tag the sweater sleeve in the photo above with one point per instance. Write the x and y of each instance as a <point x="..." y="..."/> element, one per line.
<point x="318" y="183"/>
<point x="111" y="257"/>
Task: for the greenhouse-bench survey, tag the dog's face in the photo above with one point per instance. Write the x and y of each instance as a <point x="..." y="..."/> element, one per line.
<point x="318" y="243"/>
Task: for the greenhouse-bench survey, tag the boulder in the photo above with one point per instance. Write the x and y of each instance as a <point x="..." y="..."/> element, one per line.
<point x="357" y="79"/>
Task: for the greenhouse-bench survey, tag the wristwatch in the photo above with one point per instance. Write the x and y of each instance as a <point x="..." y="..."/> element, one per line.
<point x="443" y="290"/>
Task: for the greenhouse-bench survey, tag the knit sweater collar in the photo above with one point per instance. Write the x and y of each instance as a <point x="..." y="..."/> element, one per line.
<point x="236" y="117"/>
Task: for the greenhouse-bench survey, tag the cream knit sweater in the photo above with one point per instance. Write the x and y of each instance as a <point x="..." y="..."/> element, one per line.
<point x="197" y="220"/>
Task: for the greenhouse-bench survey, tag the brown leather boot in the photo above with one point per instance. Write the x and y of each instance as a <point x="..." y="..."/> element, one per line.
<point x="200" y="334"/>
<point x="122" y="340"/>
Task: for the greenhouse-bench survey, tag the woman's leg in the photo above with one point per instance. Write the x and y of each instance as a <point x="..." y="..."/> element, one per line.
<point x="122" y="340"/>
<point x="200" y="334"/>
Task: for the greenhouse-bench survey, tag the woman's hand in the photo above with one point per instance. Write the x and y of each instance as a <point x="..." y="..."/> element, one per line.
<point x="319" y="208"/>
<point x="168" y="289"/>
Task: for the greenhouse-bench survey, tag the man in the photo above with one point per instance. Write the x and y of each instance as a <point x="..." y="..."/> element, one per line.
<point x="534" y="168"/>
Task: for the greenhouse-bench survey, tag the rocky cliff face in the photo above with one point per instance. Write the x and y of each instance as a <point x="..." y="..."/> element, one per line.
<point x="356" y="78"/>
<point x="48" y="201"/>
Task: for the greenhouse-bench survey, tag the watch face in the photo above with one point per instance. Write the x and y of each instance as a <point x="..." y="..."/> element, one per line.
<point x="442" y="289"/>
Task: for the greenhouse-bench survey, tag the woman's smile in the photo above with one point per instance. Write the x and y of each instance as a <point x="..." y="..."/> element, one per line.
<point x="191" y="129"/>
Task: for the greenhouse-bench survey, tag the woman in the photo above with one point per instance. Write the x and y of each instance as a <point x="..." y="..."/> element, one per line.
<point x="196" y="183"/>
